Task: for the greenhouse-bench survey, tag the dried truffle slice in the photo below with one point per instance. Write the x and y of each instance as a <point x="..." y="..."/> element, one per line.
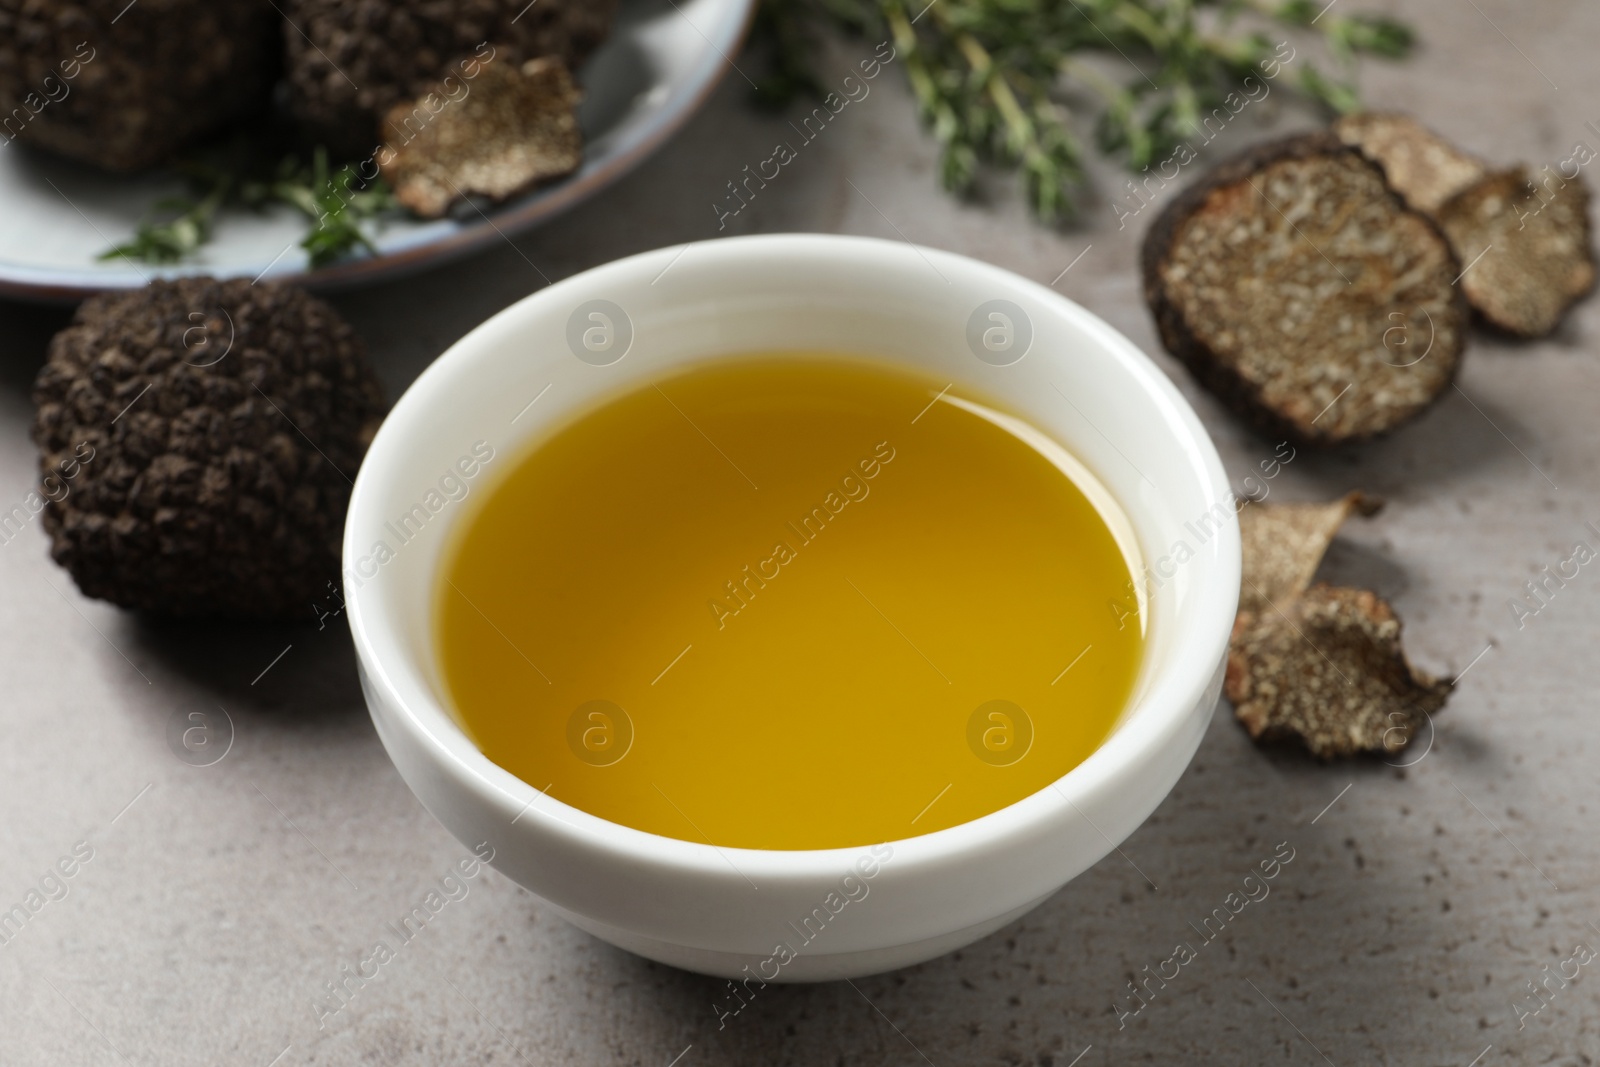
<point x="1424" y="168"/>
<point x="1527" y="248"/>
<point x="357" y="59"/>
<point x="124" y="86"/>
<point x="1329" y="670"/>
<point x="216" y="427"/>
<point x="1541" y="259"/>
<point x="1283" y="544"/>
<point x="513" y="129"/>
<point x="1316" y="662"/>
<point x="1297" y="287"/>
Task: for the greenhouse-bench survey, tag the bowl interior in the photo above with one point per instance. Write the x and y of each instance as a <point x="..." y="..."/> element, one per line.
<point x="568" y="348"/>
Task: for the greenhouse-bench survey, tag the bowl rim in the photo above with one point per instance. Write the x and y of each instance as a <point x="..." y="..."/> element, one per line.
<point x="1157" y="719"/>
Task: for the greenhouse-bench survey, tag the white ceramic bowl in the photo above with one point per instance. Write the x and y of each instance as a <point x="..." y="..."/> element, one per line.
<point x="819" y="914"/>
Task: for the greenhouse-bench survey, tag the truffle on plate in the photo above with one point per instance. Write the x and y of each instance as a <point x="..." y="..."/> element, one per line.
<point x="225" y="422"/>
<point x="124" y="86"/>
<point x="357" y="59"/>
<point x="1303" y="293"/>
<point x="516" y="128"/>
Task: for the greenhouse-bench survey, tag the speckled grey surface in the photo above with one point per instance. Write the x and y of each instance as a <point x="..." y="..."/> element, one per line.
<point x="220" y="901"/>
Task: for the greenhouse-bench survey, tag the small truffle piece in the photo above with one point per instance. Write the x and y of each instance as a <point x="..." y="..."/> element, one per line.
<point x="1527" y="248"/>
<point x="513" y="129"/>
<point x="216" y="425"/>
<point x="1303" y="293"/>
<point x="1316" y="662"/>
<point x="1424" y="168"/>
<point x="125" y="86"/>
<point x="1329" y="671"/>
<point x="1283" y="544"/>
<point x="356" y="59"/>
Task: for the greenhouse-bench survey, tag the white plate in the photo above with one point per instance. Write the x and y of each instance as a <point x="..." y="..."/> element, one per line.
<point x="56" y="217"/>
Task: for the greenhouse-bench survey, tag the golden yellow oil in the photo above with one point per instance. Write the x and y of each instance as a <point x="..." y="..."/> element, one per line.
<point x="788" y="601"/>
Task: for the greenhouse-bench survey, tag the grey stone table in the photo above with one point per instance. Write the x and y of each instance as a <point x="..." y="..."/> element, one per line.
<point x="217" y="903"/>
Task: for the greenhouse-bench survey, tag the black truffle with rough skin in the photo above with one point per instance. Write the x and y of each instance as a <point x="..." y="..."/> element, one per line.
<point x="351" y="61"/>
<point x="124" y="86"/>
<point x="226" y="421"/>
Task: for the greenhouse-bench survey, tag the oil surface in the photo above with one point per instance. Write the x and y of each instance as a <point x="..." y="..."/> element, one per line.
<point x="786" y="602"/>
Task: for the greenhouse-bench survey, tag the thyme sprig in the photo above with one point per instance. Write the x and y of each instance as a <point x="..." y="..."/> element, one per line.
<point x="992" y="78"/>
<point x="336" y="201"/>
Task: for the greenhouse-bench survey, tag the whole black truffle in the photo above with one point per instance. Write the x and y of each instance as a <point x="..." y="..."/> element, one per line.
<point x="351" y="61"/>
<point x="223" y="422"/>
<point x="124" y="85"/>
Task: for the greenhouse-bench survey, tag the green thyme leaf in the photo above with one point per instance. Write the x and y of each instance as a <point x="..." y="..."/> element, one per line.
<point x="176" y="238"/>
<point x="991" y="77"/>
<point x="336" y="203"/>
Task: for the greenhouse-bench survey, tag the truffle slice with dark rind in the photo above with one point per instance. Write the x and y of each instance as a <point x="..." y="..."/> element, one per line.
<point x="515" y="128"/>
<point x="1302" y="292"/>
<point x="1329" y="671"/>
<point x="1314" y="662"/>
<point x="1527" y="248"/>
<point x="222" y="424"/>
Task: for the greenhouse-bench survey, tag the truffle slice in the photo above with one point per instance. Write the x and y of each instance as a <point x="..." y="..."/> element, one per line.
<point x="1329" y="670"/>
<point x="357" y="59"/>
<point x="1526" y="247"/>
<point x="216" y="427"/>
<point x="1283" y="545"/>
<point x="1316" y="662"/>
<point x="124" y="86"/>
<point x="513" y="129"/>
<point x="1424" y="168"/>
<point x="1301" y="291"/>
